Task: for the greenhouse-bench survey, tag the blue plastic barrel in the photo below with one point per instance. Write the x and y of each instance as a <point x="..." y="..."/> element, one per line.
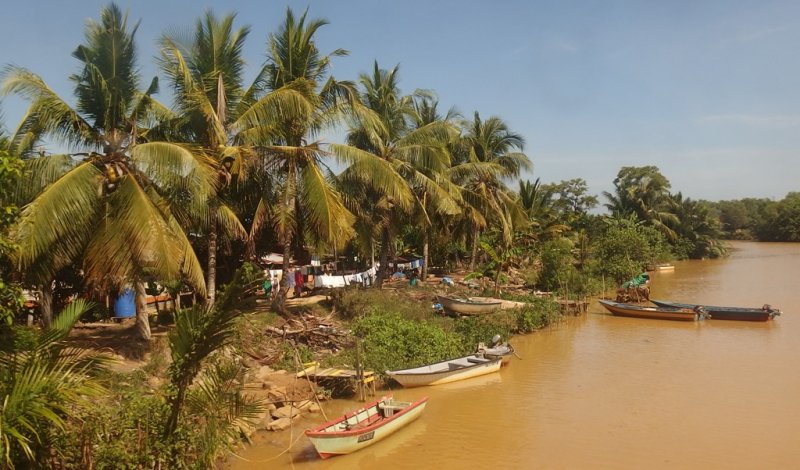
<point x="125" y="305"/>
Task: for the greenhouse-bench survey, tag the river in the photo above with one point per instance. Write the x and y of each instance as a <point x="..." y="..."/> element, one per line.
<point x="606" y="392"/>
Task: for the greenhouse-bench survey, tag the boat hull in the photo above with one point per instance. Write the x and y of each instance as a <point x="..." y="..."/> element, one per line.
<point x="655" y="313"/>
<point x="420" y="378"/>
<point x="463" y="307"/>
<point x="332" y="443"/>
<point x="727" y="313"/>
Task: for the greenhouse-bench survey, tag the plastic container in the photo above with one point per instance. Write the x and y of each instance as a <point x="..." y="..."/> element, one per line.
<point x="125" y="305"/>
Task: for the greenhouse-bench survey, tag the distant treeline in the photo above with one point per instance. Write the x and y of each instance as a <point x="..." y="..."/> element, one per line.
<point x="760" y="219"/>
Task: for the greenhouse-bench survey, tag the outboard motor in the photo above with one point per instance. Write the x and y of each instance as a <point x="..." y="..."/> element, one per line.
<point x="495" y="341"/>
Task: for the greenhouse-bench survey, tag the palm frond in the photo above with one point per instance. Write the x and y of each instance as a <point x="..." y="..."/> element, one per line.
<point x="61" y="220"/>
<point x="325" y="210"/>
<point x="134" y="234"/>
<point x="47" y="114"/>
<point x="176" y="167"/>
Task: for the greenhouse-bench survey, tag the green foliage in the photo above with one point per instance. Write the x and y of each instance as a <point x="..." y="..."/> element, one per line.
<point x="291" y="360"/>
<point x="121" y="430"/>
<point x="392" y="342"/>
<point x="18" y="338"/>
<point x="474" y="330"/>
<point x="626" y="247"/>
<point x="10" y="293"/>
<point x="41" y="386"/>
<point x="538" y="315"/>
<point x="557" y="264"/>
<point x="198" y="333"/>
<point x="352" y="303"/>
<point x="782" y="220"/>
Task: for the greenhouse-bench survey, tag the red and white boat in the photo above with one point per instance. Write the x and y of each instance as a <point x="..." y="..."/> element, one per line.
<point x="364" y="426"/>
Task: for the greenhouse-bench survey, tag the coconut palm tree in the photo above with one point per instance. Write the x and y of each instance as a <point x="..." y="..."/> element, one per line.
<point x="205" y="72"/>
<point x="492" y="154"/>
<point x="697" y="228"/>
<point x="644" y="193"/>
<point x="403" y="165"/>
<point x="434" y="208"/>
<point x="306" y="100"/>
<point x="110" y="205"/>
<point x="537" y="202"/>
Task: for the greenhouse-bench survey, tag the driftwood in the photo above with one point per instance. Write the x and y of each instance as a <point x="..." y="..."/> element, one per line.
<point x="317" y="333"/>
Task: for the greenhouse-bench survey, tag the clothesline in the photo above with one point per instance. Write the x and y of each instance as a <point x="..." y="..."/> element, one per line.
<point x="365" y="278"/>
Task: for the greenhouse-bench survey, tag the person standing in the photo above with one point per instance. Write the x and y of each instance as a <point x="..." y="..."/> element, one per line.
<point x="298" y="283"/>
<point x="290" y="281"/>
<point x="268" y="287"/>
<point x="275" y="286"/>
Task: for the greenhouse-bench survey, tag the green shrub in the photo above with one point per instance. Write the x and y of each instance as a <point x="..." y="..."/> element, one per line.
<point x="18" y="338"/>
<point x="392" y="342"/>
<point x="474" y="330"/>
<point x="536" y="315"/>
<point x="352" y="303"/>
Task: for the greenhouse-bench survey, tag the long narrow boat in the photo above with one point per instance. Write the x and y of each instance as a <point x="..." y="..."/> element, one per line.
<point x="468" y="306"/>
<point x="659" y="313"/>
<point x="764" y="313"/>
<point x="364" y="426"/>
<point x="446" y="371"/>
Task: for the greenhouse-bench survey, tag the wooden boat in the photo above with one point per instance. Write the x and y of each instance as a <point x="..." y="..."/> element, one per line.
<point x="660" y="313"/>
<point x="468" y="306"/>
<point x="364" y="426"/>
<point x="446" y="371"/>
<point x="728" y="313"/>
<point x="661" y="267"/>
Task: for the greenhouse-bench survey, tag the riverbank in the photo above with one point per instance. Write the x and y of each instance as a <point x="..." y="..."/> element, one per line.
<point x="606" y="392"/>
<point x="397" y="327"/>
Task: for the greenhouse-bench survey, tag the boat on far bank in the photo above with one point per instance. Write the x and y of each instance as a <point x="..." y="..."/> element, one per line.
<point x="663" y="267"/>
<point x="364" y="426"/>
<point x="446" y="371"/>
<point x="467" y="305"/>
<point x="764" y="313"/>
<point x="657" y="313"/>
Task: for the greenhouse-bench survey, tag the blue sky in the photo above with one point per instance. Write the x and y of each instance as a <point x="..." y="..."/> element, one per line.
<point x="708" y="91"/>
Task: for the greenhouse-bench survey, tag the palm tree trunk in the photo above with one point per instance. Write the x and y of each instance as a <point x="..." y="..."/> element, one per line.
<point x="47" y="304"/>
<point x="384" y="258"/>
<point x="475" y="236"/>
<point x="211" y="275"/>
<point x="142" y="319"/>
<point x="497" y="279"/>
<point x="425" y="243"/>
<point x="175" y="404"/>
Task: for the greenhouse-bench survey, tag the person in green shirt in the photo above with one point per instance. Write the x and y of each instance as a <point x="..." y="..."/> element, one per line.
<point x="268" y="287"/>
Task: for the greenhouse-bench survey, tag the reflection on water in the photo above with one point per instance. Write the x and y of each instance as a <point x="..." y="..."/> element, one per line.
<point x="610" y="392"/>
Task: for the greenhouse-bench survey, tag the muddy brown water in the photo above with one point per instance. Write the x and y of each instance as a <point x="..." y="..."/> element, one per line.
<point x="608" y="392"/>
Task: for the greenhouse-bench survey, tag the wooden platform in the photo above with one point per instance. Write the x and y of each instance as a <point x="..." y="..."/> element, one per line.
<point x="574" y="307"/>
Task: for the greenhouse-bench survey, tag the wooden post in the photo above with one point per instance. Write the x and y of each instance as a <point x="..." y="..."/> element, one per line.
<point x="359" y="373"/>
